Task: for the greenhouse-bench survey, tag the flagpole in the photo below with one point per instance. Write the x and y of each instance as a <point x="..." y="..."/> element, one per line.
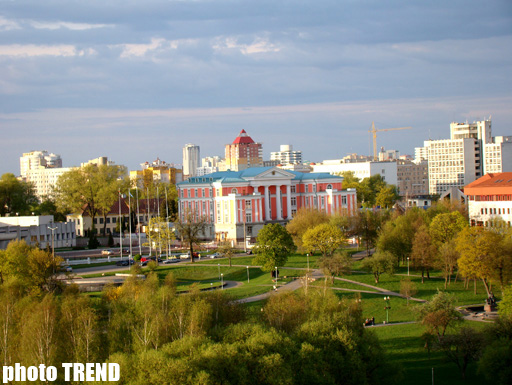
<point x="138" y="218"/>
<point x="167" y="224"/>
<point x="148" y="233"/>
<point x="130" y="223"/>
<point x="120" y="228"/>
<point x="159" y="226"/>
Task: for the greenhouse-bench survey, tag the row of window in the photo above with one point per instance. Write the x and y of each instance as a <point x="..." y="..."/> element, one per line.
<point x="495" y="211"/>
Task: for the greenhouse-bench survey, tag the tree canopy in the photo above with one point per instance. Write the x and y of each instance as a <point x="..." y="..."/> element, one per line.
<point x="273" y="246"/>
<point x="324" y="237"/>
<point x="16" y="197"/>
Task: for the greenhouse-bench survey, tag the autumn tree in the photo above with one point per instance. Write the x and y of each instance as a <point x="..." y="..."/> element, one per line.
<point x="324" y="237"/>
<point x="446" y="260"/>
<point x="303" y="220"/>
<point x="445" y="227"/>
<point x="408" y="288"/>
<point x="423" y="252"/>
<point x="226" y="250"/>
<point x="367" y="224"/>
<point x="273" y="246"/>
<point x="479" y="250"/>
<point x="439" y="314"/>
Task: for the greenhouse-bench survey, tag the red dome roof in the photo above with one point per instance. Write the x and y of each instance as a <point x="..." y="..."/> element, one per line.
<point x="243" y="138"/>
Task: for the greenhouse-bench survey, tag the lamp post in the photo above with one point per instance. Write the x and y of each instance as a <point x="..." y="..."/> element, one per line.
<point x="407" y="265"/>
<point x="247" y="274"/>
<point x="276" y="275"/>
<point x="387" y="307"/>
<point x="53" y="246"/>
<point x="307" y="256"/>
<point x="218" y="265"/>
<point x="222" y="280"/>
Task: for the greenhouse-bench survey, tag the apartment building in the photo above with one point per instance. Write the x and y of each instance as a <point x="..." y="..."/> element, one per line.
<point x="191" y="156"/>
<point x="243" y="153"/>
<point x="286" y="155"/>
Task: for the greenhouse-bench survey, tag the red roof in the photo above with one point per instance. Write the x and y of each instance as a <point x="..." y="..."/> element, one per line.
<point x="491" y="184"/>
<point x="243" y="138"/>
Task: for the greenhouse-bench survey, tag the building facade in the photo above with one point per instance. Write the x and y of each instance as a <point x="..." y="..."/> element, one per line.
<point x="361" y="170"/>
<point x="412" y="178"/>
<point x="191" y="156"/>
<point x="237" y="204"/>
<point x="490" y="198"/>
<point x="158" y="170"/>
<point x="39" y="231"/>
<point x="470" y="153"/>
<point x="243" y="153"/>
<point x="286" y="155"/>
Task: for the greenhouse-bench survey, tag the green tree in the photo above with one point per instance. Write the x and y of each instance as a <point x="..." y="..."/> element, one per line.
<point x="445" y="227"/>
<point x="16" y="197"/>
<point x="324" y="237"/>
<point x="48" y="206"/>
<point x="387" y="196"/>
<point x="408" y="288"/>
<point x="505" y="305"/>
<point x="91" y="189"/>
<point x="160" y="234"/>
<point x="496" y="361"/>
<point x="273" y="246"/>
<point x="446" y="260"/>
<point x="190" y="227"/>
<point x="378" y="264"/>
<point x="303" y="220"/>
<point x="367" y="224"/>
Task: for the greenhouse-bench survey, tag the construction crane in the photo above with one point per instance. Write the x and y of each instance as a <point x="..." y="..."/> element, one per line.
<point x="374" y="131"/>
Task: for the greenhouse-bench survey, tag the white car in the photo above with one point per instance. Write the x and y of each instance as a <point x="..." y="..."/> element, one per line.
<point x="215" y="255"/>
<point x="107" y="252"/>
<point x="172" y="260"/>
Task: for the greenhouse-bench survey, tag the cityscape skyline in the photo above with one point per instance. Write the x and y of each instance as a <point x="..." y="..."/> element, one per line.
<point x="85" y="80"/>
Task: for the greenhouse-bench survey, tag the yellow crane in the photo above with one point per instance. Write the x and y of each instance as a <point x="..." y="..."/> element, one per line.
<point x="374" y="131"/>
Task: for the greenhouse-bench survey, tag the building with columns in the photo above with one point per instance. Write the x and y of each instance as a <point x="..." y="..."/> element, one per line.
<point x="237" y="204"/>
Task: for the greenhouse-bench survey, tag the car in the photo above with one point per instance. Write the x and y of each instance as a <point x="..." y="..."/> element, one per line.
<point x="172" y="260"/>
<point x="66" y="269"/>
<point x="148" y="258"/>
<point x="214" y="255"/>
<point x="107" y="252"/>
<point x="124" y="262"/>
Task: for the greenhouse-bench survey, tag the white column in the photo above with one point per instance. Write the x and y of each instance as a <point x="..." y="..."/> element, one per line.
<point x="267" y="204"/>
<point x="260" y="216"/>
<point x="289" y="202"/>
<point x="279" y="199"/>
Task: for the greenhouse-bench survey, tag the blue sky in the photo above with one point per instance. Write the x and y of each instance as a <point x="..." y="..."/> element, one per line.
<point x="137" y="80"/>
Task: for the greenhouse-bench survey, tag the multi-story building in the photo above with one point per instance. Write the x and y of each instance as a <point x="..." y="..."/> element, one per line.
<point x="412" y="178"/>
<point x="158" y="170"/>
<point x="361" y="170"/>
<point x="38" y="159"/>
<point x="242" y="202"/>
<point x="243" y="153"/>
<point x="286" y="155"/>
<point x="470" y="153"/>
<point x="489" y="198"/>
<point x="190" y="160"/>
<point x="209" y="165"/>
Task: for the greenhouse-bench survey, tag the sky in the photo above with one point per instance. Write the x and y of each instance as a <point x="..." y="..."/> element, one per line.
<point x="135" y="80"/>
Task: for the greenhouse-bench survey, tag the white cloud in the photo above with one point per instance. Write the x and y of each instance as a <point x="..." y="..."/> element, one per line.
<point x="67" y="25"/>
<point x="140" y="50"/>
<point x="259" y="45"/>
<point x="8" y="25"/>
<point x="27" y="50"/>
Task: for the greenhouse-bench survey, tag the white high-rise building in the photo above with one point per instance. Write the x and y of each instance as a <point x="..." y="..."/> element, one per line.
<point x="470" y="153"/>
<point x="38" y="159"/>
<point x="286" y="155"/>
<point x="190" y="160"/>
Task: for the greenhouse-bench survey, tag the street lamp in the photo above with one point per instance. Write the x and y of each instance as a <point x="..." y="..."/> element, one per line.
<point x="407" y="265"/>
<point x="53" y="246"/>
<point x="218" y="265"/>
<point x="387" y="307"/>
<point x="307" y="255"/>
<point x="222" y="280"/>
<point x="247" y="274"/>
<point x="276" y="275"/>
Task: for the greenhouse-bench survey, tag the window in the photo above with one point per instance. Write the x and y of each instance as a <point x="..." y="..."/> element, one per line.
<point x="248" y="216"/>
<point x="234" y="191"/>
<point x="294" y="201"/>
<point x="248" y="230"/>
<point x="323" y="201"/>
<point x="195" y="193"/>
<point x="306" y="188"/>
<point x="202" y="193"/>
<point x="329" y="187"/>
<point x="292" y="189"/>
<point x="343" y="200"/>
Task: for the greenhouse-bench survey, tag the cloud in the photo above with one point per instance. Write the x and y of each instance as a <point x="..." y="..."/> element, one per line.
<point x="28" y="50"/>
<point x="66" y="25"/>
<point x="8" y="25"/>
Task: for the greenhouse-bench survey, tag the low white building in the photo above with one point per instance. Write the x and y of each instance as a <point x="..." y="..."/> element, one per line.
<point x="37" y="231"/>
<point x="490" y="198"/>
<point x="361" y="170"/>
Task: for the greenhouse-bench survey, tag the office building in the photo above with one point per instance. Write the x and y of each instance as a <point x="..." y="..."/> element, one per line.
<point x="286" y="155"/>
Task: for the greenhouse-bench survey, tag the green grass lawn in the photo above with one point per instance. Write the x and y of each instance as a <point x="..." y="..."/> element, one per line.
<point x="404" y="345"/>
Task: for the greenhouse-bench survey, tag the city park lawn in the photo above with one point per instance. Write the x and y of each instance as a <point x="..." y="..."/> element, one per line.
<point x="404" y="345"/>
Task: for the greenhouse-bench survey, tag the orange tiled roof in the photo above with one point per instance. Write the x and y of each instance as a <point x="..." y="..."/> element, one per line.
<point x="491" y="184"/>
